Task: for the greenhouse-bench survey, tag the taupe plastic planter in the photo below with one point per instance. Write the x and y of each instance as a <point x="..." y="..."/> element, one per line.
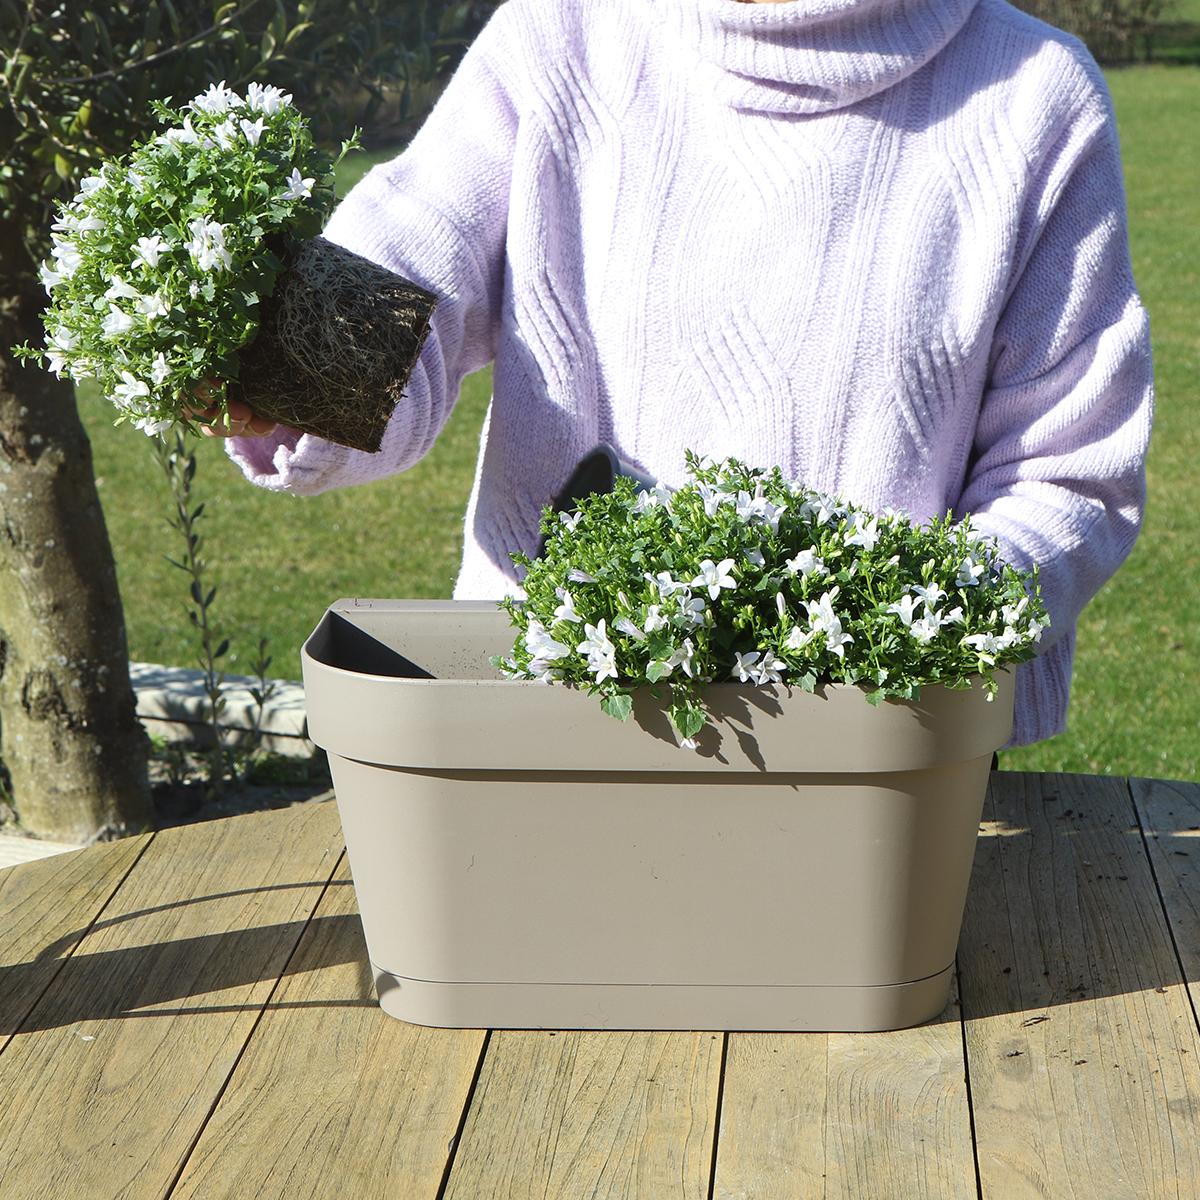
<point x="522" y="860"/>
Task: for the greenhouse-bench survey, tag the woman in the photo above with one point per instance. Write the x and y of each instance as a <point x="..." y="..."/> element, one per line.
<point x="880" y="243"/>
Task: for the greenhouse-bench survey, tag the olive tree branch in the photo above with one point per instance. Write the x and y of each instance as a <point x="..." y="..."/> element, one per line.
<point x="158" y="56"/>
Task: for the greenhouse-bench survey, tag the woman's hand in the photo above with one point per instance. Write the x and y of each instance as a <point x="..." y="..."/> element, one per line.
<point x="236" y="421"/>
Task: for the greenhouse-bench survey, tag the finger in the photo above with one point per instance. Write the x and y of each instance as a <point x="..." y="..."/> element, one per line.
<point x="206" y="390"/>
<point x="214" y="422"/>
<point x="240" y="414"/>
<point x="234" y="419"/>
<point x="259" y="427"/>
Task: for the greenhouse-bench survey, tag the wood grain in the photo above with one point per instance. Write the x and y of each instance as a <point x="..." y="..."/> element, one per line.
<point x="847" y="1115"/>
<point x="1170" y="816"/>
<point x="114" y="1072"/>
<point x="333" y="1097"/>
<point x="1083" y="1055"/>
<point x="45" y="909"/>
<point x="591" y="1114"/>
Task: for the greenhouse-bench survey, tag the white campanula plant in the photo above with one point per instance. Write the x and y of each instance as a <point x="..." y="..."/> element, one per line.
<point x="742" y="576"/>
<point x="161" y="259"/>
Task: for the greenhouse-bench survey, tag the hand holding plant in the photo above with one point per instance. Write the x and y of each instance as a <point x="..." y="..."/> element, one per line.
<point x="159" y="262"/>
<point x="196" y="258"/>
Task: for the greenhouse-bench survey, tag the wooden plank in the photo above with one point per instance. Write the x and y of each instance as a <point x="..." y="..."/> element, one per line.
<point x="1084" y="1058"/>
<point x="45" y="909"/>
<point x="112" y="1076"/>
<point x="847" y="1115"/>
<point x="332" y="1097"/>
<point x="595" y="1114"/>
<point x="1170" y="815"/>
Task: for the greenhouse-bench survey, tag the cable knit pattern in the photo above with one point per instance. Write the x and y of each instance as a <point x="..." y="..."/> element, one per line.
<point x="880" y="243"/>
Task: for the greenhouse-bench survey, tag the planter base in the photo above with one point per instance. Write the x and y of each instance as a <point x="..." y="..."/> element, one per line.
<point x="780" y="1009"/>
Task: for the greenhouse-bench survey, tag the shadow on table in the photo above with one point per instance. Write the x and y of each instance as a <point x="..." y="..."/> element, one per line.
<point x="131" y="981"/>
<point x="1064" y="907"/>
<point x="1067" y="904"/>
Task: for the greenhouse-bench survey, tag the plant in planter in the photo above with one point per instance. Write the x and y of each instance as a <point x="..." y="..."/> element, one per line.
<point x="197" y="257"/>
<point x="522" y="860"/>
<point x="742" y="575"/>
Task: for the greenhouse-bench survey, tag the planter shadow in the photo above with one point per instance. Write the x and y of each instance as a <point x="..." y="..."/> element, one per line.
<point x="107" y="984"/>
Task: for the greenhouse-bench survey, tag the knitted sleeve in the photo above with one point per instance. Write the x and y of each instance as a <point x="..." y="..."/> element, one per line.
<point x="436" y="215"/>
<point x="1057" y="471"/>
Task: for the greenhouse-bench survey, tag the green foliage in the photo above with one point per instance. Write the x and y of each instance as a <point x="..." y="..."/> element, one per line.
<point x="179" y="466"/>
<point x="414" y="44"/>
<point x="77" y="77"/>
<point x="743" y="575"/>
<point x="227" y="756"/>
<point x="160" y="261"/>
<point x="1177" y="39"/>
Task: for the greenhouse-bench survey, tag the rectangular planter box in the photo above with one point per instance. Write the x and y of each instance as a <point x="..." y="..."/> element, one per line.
<point x="522" y="860"/>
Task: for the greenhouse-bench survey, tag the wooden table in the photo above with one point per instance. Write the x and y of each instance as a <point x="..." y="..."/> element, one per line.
<point x="189" y="1014"/>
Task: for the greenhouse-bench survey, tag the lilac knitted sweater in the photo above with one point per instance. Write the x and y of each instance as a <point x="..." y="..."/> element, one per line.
<point x="880" y="243"/>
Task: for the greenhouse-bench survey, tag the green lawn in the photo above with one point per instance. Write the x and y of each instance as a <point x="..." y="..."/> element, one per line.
<point x="1135" y="706"/>
<point x="278" y="560"/>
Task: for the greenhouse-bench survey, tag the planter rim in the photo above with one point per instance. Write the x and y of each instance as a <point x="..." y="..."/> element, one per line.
<point x="395" y="717"/>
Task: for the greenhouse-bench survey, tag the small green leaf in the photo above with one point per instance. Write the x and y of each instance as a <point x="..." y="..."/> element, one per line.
<point x="619" y="706"/>
<point x="691" y="722"/>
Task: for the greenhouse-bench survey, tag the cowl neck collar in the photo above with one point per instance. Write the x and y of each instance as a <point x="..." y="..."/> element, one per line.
<point x="810" y="56"/>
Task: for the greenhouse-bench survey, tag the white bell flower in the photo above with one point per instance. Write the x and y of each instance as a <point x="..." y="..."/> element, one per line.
<point x="297" y="188"/>
<point x="117" y="323"/>
<point x="805" y="563"/>
<point x="743" y="665"/>
<point x="217" y="99"/>
<point x="541" y="644"/>
<point x="266" y="99"/>
<point x="129" y="391"/>
<point x="566" y="610"/>
<point x="864" y="531"/>
<point x="715" y="576"/>
<point x="969" y="572"/>
<point x="149" y="250"/>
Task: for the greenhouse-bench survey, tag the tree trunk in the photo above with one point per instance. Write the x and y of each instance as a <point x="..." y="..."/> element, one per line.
<point x="70" y="740"/>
